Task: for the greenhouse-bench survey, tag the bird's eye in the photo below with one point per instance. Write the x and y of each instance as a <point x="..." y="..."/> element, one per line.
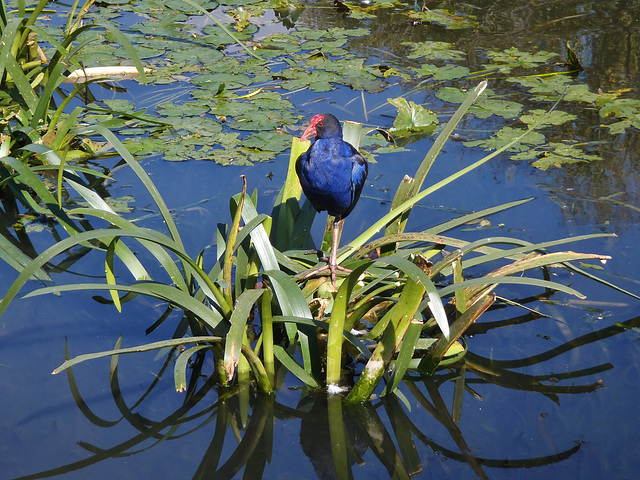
<point x="320" y="124"/>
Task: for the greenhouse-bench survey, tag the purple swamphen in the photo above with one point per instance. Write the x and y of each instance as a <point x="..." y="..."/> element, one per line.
<point x="332" y="173"/>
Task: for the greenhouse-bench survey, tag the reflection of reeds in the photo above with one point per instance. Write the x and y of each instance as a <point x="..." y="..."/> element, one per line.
<point x="335" y="437"/>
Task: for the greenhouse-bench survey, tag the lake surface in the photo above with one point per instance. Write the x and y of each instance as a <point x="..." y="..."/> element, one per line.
<point x="550" y="396"/>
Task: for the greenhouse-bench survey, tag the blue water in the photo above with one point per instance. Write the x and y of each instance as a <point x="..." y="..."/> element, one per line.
<point x="509" y="431"/>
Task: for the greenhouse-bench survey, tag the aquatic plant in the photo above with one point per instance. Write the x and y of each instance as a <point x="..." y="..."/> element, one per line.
<point x="401" y="309"/>
<point x="250" y="94"/>
<point x="38" y="137"/>
<point x="389" y="312"/>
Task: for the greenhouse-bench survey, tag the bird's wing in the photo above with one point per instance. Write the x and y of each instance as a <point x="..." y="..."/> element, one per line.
<point x="359" y="171"/>
<point x="301" y="158"/>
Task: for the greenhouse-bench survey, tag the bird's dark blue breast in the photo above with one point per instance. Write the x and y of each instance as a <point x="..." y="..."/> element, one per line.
<point x="332" y="174"/>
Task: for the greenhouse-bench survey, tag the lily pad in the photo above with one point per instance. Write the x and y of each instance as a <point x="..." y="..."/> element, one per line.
<point x="556" y="155"/>
<point x="412" y="118"/>
<point x="513" y="57"/>
<point x="555" y="117"/>
<point x="485" y="106"/>
<point x="236" y="103"/>
<point x="434" y="51"/>
<point x="451" y="72"/>
<point x="507" y="135"/>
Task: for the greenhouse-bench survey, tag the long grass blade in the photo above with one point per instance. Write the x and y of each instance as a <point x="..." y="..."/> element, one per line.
<point x="259" y="237"/>
<point x="293" y="303"/>
<point x="525" y="248"/>
<point x="400" y="209"/>
<point x="80" y="238"/>
<point x="155" y="248"/>
<point x="401" y="316"/>
<point x="354" y="340"/>
<point x="535" y="282"/>
<point x="9" y="64"/>
<point x="110" y="272"/>
<point x="291" y="191"/>
<point x="175" y="342"/>
<point x="17" y="259"/>
<point x="595" y="278"/>
<point x="227" y="264"/>
<point x="266" y="319"/>
<point x="41" y="111"/>
<point x="336" y="327"/>
<point x="434" y="296"/>
<point x="140" y="173"/>
<point x="405" y="354"/>
<point x="128" y="47"/>
<point x="166" y="293"/>
<point x="438" y="349"/>
<point x="181" y="366"/>
<point x="294" y="367"/>
<point x="130" y="260"/>
<point x="414" y="186"/>
<point x="3" y="14"/>
<point x="289" y="296"/>
<point x="239" y="317"/>
<point x="29" y="178"/>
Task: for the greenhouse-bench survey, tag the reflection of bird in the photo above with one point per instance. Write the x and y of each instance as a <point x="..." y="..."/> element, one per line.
<point x="332" y="174"/>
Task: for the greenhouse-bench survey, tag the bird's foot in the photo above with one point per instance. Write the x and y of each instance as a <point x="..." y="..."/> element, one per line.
<point x="332" y="271"/>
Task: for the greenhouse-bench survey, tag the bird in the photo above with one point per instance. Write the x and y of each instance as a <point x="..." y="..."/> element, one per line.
<point x="332" y="173"/>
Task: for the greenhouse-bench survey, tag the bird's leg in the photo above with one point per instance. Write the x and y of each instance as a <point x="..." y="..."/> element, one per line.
<point x="333" y="258"/>
<point x="329" y="230"/>
<point x="332" y="261"/>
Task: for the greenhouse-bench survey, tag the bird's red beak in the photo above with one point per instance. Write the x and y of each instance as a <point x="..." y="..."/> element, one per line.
<point x="310" y="131"/>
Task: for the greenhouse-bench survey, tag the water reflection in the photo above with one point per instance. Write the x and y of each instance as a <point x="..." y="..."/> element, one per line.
<point x="606" y="36"/>
<point x="605" y="33"/>
<point x="252" y="432"/>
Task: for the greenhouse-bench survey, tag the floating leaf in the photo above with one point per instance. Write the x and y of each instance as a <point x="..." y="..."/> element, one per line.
<point x="451" y="95"/>
<point x="485" y="106"/>
<point x="556" y="155"/>
<point x="623" y="107"/>
<point x="544" y="87"/>
<point x="426" y="70"/>
<point x="556" y="117"/>
<point x="411" y="117"/>
<point x="621" y="126"/>
<point x="181" y="109"/>
<point x="434" y="51"/>
<point x="507" y="134"/>
<point x="451" y="72"/>
<point x="318" y="81"/>
<point x="514" y="57"/>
